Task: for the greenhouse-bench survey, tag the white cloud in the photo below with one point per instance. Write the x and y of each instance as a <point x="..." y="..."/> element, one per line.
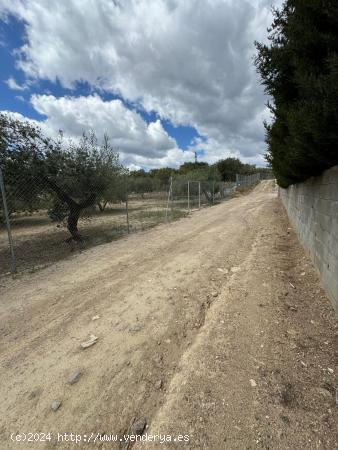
<point x="139" y="144"/>
<point x="135" y="139"/>
<point x="190" y="61"/>
<point x="12" y="84"/>
<point x="249" y="151"/>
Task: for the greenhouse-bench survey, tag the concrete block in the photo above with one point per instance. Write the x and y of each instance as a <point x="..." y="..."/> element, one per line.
<point x="323" y="206"/>
<point x="312" y="208"/>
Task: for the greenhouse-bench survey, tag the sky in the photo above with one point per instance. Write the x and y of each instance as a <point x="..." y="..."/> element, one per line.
<point x="163" y="78"/>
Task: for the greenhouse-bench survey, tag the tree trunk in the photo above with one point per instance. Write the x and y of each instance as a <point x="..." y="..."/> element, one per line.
<point x="208" y="196"/>
<point x="72" y="221"/>
<point x="74" y="214"/>
<point x="74" y="209"/>
<point x="102" y="206"/>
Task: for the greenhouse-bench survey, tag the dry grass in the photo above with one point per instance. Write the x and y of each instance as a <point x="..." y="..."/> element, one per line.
<point x="40" y="242"/>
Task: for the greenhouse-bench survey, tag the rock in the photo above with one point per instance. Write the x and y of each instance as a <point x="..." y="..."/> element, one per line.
<point x="214" y="294"/>
<point x="330" y="370"/>
<point x="95" y="317"/>
<point x="74" y="378"/>
<point x="138" y="426"/>
<point x="91" y="341"/>
<point x="235" y="269"/>
<point x="34" y="394"/>
<point x="135" y="329"/>
<point x="253" y="383"/>
<point x="158" y="358"/>
<point x="56" y="405"/>
<point x="158" y="384"/>
<point x="220" y="270"/>
<point x="291" y="333"/>
<point x="285" y="419"/>
<point x="324" y="392"/>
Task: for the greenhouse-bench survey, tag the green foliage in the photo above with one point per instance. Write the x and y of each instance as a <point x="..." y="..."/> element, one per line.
<point x="202" y="173"/>
<point x="163" y="174"/>
<point x="138" y="173"/>
<point x="143" y="184"/>
<point x="189" y="167"/>
<point x="22" y="148"/>
<point x="299" y="69"/>
<point x="84" y="168"/>
<point x="229" y="167"/>
<point x="63" y="177"/>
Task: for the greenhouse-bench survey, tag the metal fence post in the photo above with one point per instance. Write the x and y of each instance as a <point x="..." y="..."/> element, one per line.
<point x="188" y="196"/>
<point x="127" y="207"/>
<point x="199" y="195"/>
<point x="8" y="225"/>
<point x="169" y="198"/>
<point x="172" y="197"/>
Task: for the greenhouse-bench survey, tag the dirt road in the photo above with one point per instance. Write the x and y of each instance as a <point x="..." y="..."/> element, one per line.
<point x="214" y="327"/>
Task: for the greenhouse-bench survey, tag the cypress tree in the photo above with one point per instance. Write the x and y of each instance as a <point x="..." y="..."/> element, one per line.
<point x="299" y="69"/>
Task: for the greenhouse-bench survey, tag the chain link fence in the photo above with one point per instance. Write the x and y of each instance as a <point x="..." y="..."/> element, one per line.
<point x="247" y="180"/>
<point x="40" y="227"/>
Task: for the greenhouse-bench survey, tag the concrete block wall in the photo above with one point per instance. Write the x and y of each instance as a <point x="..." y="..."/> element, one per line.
<point x="312" y="208"/>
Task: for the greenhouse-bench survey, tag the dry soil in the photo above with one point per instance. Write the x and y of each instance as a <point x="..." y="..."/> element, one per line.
<point x="214" y="326"/>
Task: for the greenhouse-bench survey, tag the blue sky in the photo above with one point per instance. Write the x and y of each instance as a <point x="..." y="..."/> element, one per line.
<point x="161" y="93"/>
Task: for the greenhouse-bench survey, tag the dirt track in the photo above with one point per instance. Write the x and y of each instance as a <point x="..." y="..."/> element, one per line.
<point x="214" y="326"/>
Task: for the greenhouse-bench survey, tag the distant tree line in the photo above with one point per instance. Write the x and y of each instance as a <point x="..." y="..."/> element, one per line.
<point x="222" y="170"/>
<point x="299" y="69"/>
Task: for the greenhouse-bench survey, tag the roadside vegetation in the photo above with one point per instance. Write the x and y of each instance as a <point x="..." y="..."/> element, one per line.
<point x="299" y="69"/>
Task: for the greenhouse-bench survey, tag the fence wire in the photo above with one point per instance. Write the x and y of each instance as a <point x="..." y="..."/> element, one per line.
<point x="37" y="226"/>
